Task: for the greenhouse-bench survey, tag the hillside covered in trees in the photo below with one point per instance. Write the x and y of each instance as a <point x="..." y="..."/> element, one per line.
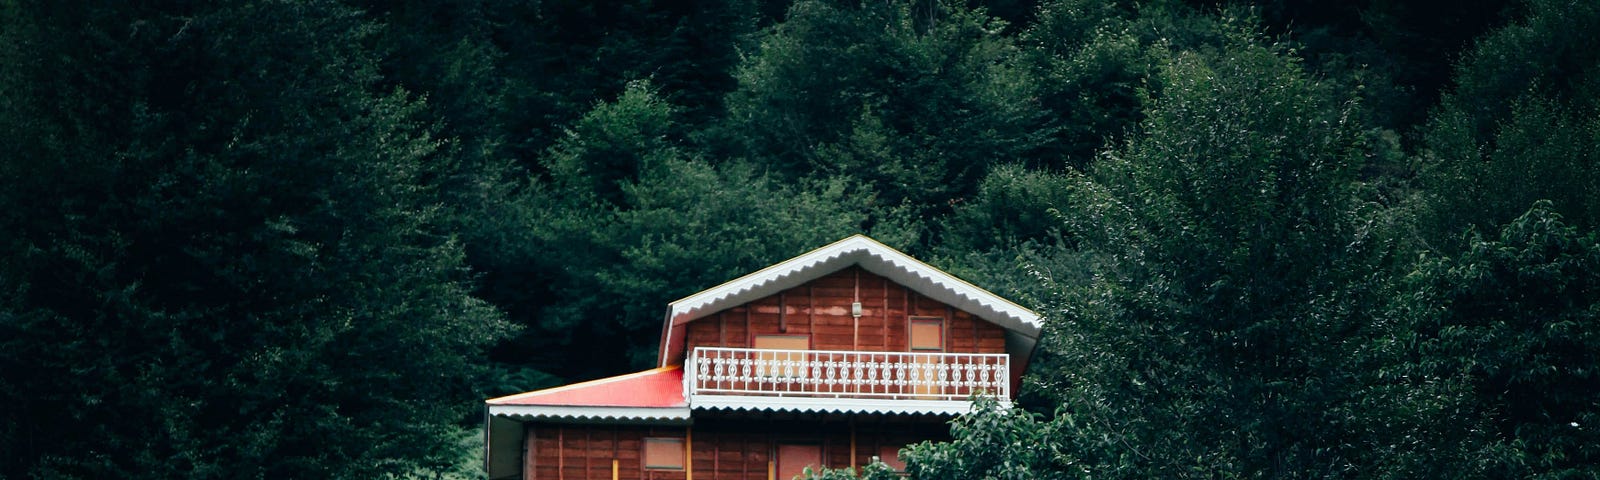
<point x="1277" y="239"/>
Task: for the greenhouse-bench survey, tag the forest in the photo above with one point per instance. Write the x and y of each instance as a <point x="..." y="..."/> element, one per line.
<point x="1270" y="239"/>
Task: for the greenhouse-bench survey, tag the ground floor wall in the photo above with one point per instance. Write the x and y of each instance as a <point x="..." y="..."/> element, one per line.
<point x="732" y="448"/>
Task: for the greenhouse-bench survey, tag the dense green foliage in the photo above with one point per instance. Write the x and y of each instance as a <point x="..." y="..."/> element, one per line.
<point x="1522" y="125"/>
<point x="1507" y="325"/>
<point x="1283" y="239"/>
<point x="916" y="100"/>
<point x="651" y="222"/>
<point x="226" y="253"/>
<point x="1234" y="277"/>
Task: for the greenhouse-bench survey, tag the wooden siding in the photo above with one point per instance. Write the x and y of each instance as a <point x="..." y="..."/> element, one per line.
<point x="821" y="309"/>
<point x="721" y="450"/>
<point x="587" y="452"/>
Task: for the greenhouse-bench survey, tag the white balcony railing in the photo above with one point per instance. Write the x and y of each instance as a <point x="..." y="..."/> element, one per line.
<point x="819" y="374"/>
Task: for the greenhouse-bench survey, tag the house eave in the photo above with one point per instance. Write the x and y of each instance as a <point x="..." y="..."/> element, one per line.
<point x="593" y="414"/>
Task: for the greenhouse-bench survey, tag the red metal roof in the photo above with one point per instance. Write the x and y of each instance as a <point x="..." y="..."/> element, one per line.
<point x="660" y="387"/>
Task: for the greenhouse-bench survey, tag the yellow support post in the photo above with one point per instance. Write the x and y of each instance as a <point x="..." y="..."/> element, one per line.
<point x="852" y="444"/>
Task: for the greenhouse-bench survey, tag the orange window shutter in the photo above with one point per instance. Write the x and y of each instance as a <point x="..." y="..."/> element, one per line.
<point x="663" y="453"/>
<point x="927" y="334"/>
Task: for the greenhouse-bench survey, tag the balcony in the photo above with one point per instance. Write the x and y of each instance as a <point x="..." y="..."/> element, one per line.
<point x="843" y="381"/>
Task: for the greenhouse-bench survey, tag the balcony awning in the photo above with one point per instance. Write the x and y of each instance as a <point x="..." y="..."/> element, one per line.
<point x="651" y="396"/>
<point x="832" y="405"/>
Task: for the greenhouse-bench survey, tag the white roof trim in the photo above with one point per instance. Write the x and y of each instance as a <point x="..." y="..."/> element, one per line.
<point x="588" y="413"/>
<point x="875" y="257"/>
<point x="832" y="405"/>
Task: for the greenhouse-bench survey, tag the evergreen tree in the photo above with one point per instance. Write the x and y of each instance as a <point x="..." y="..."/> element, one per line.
<point x="913" y="99"/>
<point x="563" y="56"/>
<point x="224" y="255"/>
<point x="630" y="219"/>
<point x="1090" y="59"/>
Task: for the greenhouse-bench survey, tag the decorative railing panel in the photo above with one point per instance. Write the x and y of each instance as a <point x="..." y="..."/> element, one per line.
<point x="846" y="374"/>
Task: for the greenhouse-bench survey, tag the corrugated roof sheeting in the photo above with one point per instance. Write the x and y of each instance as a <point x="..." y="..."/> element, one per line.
<point x="578" y="414"/>
<point x="660" y="387"/>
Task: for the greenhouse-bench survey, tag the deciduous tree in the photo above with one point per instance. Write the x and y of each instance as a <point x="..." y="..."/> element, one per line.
<point x="1522" y="125"/>
<point x="1237" y="266"/>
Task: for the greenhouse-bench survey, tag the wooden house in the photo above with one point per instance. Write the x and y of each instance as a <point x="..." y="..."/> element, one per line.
<point x="845" y="353"/>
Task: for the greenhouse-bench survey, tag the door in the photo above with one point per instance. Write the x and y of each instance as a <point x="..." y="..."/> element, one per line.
<point x="927" y="336"/>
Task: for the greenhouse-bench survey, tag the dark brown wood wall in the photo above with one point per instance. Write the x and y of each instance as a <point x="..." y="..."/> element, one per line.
<point x="585" y="452"/>
<point x="738" y="450"/>
<point x="821" y="309"/>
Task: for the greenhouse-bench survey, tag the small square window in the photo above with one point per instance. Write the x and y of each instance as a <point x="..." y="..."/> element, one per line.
<point x="663" y="453"/>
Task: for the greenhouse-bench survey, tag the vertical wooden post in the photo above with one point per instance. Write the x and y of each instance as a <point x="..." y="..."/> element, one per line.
<point x="614" y="472"/>
<point x="530" y="452"/>
<point x="949" y="322"/>
<point x="811" y="311"/>
<point x="855" y="345"/>
<point x="855" y="320"/>
<point x="561" y="453"/>
<point x="772" y="453"/>
<point x="905" y="302"/>
<point x="977" y="343"/>
<point x="853" y="443"/>
<point x="688" y="453"/>
<point x="855" y="333"/>
<point x="885" y="314"/>
<point x="855" y="328"/>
